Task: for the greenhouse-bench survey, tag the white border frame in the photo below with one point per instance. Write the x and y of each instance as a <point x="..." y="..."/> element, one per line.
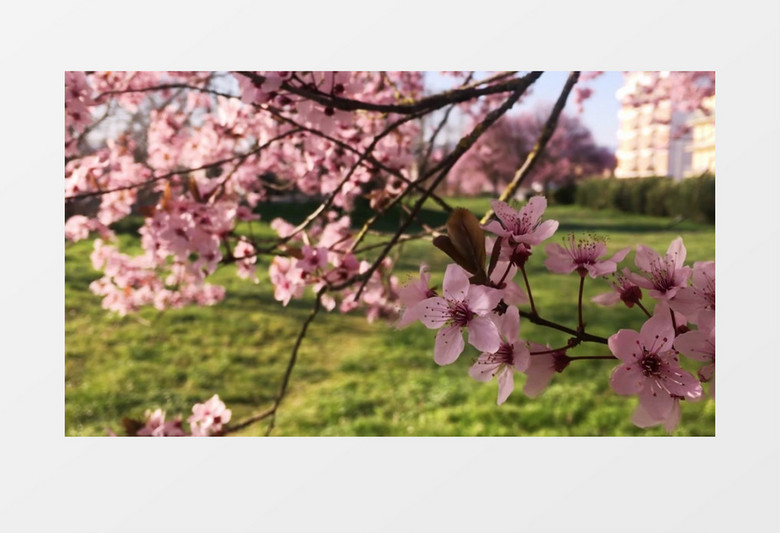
<point x="728" y="482"/>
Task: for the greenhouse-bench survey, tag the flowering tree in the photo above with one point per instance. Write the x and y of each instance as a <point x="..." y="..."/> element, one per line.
<point x="571" y="153"/>
<point x="195" y="153"/>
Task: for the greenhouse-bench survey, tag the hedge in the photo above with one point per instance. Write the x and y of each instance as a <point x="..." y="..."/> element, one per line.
<point x="690" y="198"/>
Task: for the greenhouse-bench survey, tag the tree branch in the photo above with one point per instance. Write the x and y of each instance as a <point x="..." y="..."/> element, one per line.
<point x="423" y="105"/>
<point x="444" y="167"/>
<point x="541" y="143"/>
<point x="240" y="158"/>
<point x="271" y="411"/>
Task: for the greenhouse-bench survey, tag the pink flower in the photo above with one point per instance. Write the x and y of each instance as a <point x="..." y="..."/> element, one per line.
<point x="463" y="306"/>
<point x="412" y="294"/>
<point x="502" y="278"/>
<point x="511" y="355"/>
<point x="245" y="260"/>
<point x="583" y="255"/>
<point x="511" y="292"/>
<point x="522" y="226"/>
<point x="288" y="280"/>
<point x="156" y="426"/>
<point x="542" y="368"/>
<point x="667" y="275"/>
<point x="651" y="368"/>
<point x="643" y="419"/>
<point x="313" y="258"/>
<point x="698" y="300"/>
<point x="700" y="345"/>
<point x="625" y="290"/>
<point x="208" y="418"/>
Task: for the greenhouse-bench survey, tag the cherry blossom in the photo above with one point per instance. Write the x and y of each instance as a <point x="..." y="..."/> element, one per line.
<point x="156" y="426"/>
<point x="288" y="280"/>
<point x="462" y="306"/>
<point x="650" y="366"/>
<point x="522" y="226"/>
<point x="544" y="363"/>
<point x="208" y="417"/>
<point x="512" y="355"/>
<point x="664" y="276"/>
<point x="698" y="300"/>
<point x="245" y="256"/>
<point x="412" y="294"/>
<point x="502" y="278"/>
<point x="583" y="255"/>
<point x="700" y="345"/>
<point x="625" y="290"/>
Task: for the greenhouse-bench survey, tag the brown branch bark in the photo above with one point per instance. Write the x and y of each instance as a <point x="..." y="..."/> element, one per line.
<point x="427" y="104"/>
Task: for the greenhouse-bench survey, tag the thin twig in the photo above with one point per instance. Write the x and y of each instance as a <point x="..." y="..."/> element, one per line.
<point x="541" y="143"/>
<point x="581" y="335"/>
<point x="463" y="146"/>
<point x="271" y="411"/>
<point x="240" y="158"/>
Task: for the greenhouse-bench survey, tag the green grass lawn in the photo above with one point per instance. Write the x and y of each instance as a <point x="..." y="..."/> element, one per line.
<point x="352" y="377"/>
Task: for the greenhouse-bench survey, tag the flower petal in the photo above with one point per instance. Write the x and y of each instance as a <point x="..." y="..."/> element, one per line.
<point x="673" y="419"/>
<point x="506" y="383"/>
<point x="696" y="344"/>
<point x="509" y="326"/>
<point x="456" y="283"/>
<point x="521" y="356"/>
<point x="657" y="333"/>
<point x="482" y="300"/>
<point x="505" y="214"/>
<point x="645" y="257"/>
<point x="544" y="231"/>
<point x="534" y="208"/>
<point x="409" y="315"/>
<point x="681" y="383"/>
<point x="514" y="294"/>
<point x="483" y="335"/>
<point x="621" y="254"/>
<point x="642" y="418"/>
<point x="494" y="226"/>
<point x="607" y="298"/>
<point x="656" y="401"/>
<point x="601" y="268"/>
<point x="484" y="368"/>
<point x="687" y="301"/>
<point x="540" y="372"/>
<point x="625" y="345"/>
<point x="558" y="259"/>
<point x="627" y="379"/>
<point x="677" y="252"/>
<point x="433" y="312"/>
<point x="449" y="345"/>
<point x="639" y="280"/>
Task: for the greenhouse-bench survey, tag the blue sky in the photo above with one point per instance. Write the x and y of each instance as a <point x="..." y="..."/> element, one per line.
<point x="600" y="113"/>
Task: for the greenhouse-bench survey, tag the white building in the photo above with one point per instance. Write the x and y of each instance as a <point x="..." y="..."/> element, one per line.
<point x="653" y="139"/>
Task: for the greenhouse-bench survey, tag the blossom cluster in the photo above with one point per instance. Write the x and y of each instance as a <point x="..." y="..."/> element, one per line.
<point x="481" y="310"/>
<point x="208" y="419"/>
<point x="206" y="160"/>
<point x="323" y="257"/>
